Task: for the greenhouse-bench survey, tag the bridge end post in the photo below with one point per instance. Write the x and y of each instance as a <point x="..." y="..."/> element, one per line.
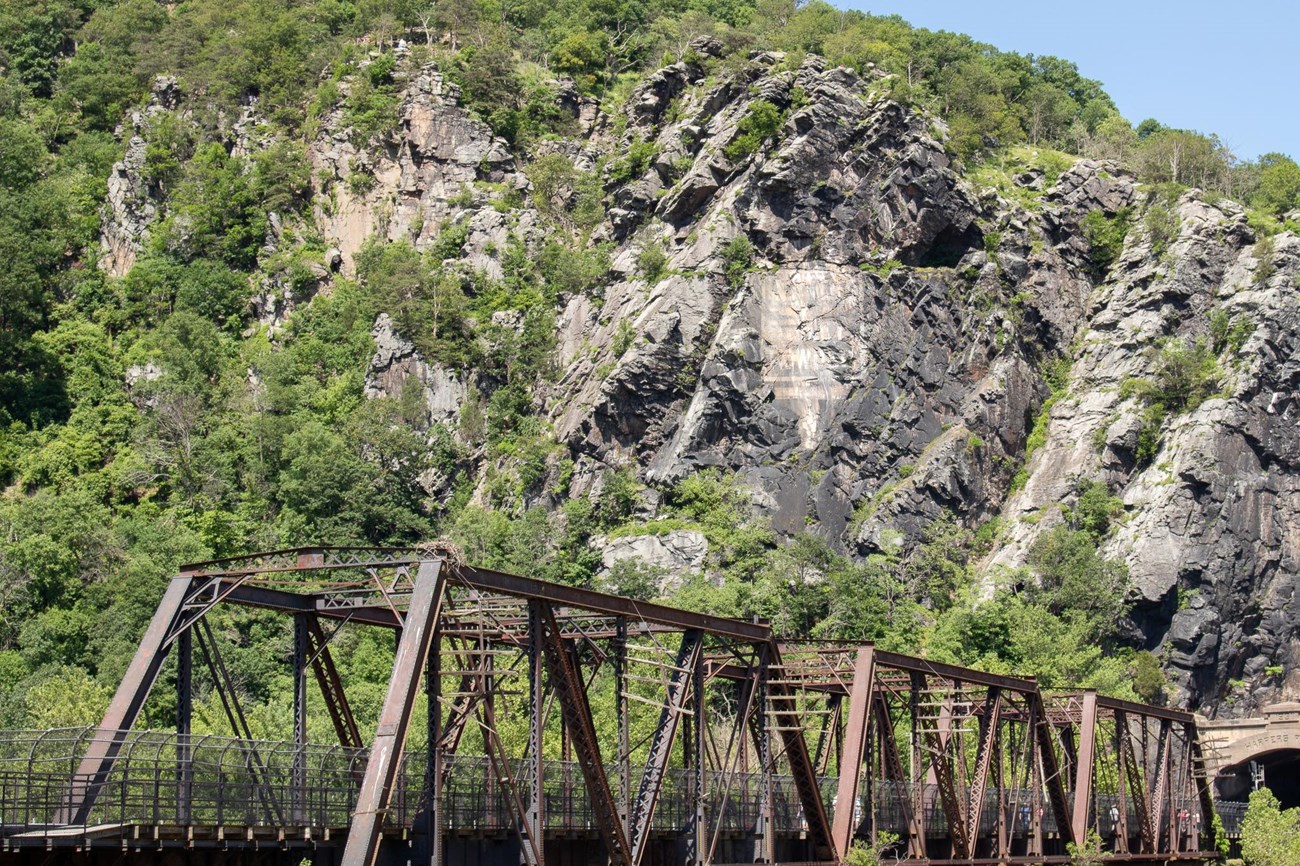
<point x="126" y="705"/>
<point x="1084" y="768"/>
<point x="390" y="734"/>
<point x="844" y="820"/>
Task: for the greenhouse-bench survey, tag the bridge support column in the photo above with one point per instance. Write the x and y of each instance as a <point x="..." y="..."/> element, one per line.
<point x="699" y="843"/>
<point x="1083" y="768"/>
<point x="851" y="757"/>
<point x="126" y="705"/>
<point x="390" y="734"/>
<point x="184" y="715"/>
<point x="767" y="806"/>
<point x="433" y="759"/>
<point x="536" y="816"/>
<point x="298" y="801"/>
<point x="621" y="710"/>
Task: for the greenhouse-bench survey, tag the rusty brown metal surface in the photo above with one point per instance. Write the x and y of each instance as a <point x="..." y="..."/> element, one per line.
<point x="724" y="745"/>
<point x="390" y="733"/>
<point x="1083" y="767"/>
<point x="854" y="751"/>
<point x="126" y="705"/>
<point x="572" y="694"/>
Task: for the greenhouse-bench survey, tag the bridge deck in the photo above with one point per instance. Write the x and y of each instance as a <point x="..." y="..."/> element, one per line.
<point x="239" y="794"/>
<point x="686" y="738"/>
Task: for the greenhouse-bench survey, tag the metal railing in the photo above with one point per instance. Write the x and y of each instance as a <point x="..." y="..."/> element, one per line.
<point x="163" y="779"/>
<point x="1231" y="813"/>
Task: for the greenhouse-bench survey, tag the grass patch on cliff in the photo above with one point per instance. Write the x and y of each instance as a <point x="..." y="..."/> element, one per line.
<point x="1001" y="169"/>
<point x="1056" y="374"/>
<point x="370" y="107"/>
<point x="1186" y="374"/>
<point x="1105" y="236"/>
<point x="762" y="123"/>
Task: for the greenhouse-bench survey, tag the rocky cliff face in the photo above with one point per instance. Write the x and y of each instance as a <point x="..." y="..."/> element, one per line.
<point x="1211" y="536"/>
<point x="872" y="356"/>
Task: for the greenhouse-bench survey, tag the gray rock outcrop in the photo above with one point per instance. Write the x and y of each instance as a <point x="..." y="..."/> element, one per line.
<point x="396" y="366"/>
<point x="861" y="336"/>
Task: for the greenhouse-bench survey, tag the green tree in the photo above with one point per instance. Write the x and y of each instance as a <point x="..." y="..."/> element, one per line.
<point x="1270" y="835"/>
<point x="761" y="123"/>
<point x="215" y="211"/>
<point x="1089" y="852"/>
<point x="1183" y="157"/>
<point x="1278" y="187"/>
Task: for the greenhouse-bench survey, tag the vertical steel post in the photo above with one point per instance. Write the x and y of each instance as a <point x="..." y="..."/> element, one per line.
<point x="536" y="818"/>
<point x="1083" y="772"/>
<point x="916" y="770"/>
<point x="390" y="734"/>
<point x="1121" y="786"/>
<point x="765" y="761"/>
<point x="564" y="669"/>
<point x="699" y="830"/>
<point x="184" y="718"/>
<point x="845" y="819"/>
<point x="620" y="710"/>
<point x="433" y="759"/>
<point x="1050" y="766"/>
<point x="298" y="798"/>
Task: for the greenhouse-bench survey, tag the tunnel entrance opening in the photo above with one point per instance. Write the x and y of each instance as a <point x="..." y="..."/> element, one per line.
<point x="1278" y="771"/>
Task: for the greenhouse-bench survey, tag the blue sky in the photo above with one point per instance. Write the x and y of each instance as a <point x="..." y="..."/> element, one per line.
<point x="1216" y="67"/>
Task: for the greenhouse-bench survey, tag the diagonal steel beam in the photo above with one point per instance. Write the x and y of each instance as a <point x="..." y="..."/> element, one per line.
<point x="1201" y="779"/>
<point x="576" y="712"/>
<point x="661" y="744"/>
<point x="940" y="766"/>
<point x="1136" y="778"/>
<point x="126" y="705"/>
<point x="530" y="843"/>
<point x="229" y="695"/>
<point x="390" y="734"/>
<point x="892" y="764"/>
<point x="1162" y="782"/>
<point x="785" y="710"/>
<point x="828" y="739"/>
<point x="855" y="743"/>
<point x="989" y="729"/>
<point x="331" y="685"/>
<point x="1051" y="767"/>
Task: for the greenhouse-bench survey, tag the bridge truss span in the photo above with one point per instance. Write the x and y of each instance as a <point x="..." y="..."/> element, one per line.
<point x="531" y="722"/>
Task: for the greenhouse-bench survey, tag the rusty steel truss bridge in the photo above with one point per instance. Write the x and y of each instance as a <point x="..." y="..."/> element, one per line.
<point x="574" y="727"/>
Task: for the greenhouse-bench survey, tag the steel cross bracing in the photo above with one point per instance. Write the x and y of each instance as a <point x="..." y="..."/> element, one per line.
<point x="628" y="731"/>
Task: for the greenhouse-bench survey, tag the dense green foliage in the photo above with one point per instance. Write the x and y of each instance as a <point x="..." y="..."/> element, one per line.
<point x="1270" y="835"/>
<point x="149" y="420"/>
<point x="1105" y="236"/>
<point x="1187" y="373"/>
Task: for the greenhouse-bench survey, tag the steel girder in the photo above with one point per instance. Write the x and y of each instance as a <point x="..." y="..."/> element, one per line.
<point x="987" y="755"/>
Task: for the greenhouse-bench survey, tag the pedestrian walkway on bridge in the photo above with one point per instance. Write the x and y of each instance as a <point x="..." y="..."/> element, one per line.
<point x="571" y="726"/>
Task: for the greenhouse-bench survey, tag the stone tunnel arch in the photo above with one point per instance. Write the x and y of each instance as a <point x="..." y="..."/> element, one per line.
<point x="1272" y="743"/>
<point x="1280" y="773"/>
